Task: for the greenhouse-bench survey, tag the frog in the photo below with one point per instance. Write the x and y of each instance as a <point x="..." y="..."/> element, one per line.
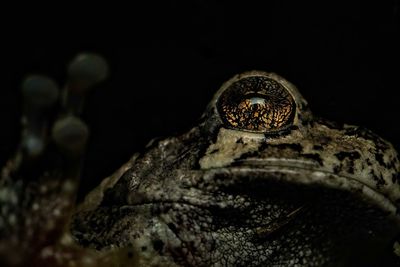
<point x="258" y="181"/>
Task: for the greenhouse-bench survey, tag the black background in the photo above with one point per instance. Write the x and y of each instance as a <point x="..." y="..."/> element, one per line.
<point x="167" y="59"/>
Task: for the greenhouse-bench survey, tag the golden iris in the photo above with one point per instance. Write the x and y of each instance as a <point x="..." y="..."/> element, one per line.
<point x="256" y="104"/>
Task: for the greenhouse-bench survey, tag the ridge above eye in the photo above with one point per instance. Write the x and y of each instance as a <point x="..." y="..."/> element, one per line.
<point x="256" y="104"/>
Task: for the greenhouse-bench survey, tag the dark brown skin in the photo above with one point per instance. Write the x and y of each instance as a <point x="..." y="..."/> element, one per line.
<point x="295" y="191"/>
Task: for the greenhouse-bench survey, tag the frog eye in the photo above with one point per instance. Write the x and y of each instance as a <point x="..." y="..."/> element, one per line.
<point x="256" y="104"/>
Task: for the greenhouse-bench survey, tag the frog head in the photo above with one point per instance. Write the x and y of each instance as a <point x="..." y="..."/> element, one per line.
<point x="259" y="181"/>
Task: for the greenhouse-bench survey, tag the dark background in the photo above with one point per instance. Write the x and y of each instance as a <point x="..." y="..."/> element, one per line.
<point x="167" y="59"/>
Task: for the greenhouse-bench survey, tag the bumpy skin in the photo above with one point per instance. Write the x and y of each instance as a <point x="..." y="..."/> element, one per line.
<point x="295" y="191"/>
<point x="312" y="194"/>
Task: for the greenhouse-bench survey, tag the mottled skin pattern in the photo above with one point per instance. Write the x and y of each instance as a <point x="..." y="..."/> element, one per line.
<point x="218" y="196"/>
<point x="312" y="193"/>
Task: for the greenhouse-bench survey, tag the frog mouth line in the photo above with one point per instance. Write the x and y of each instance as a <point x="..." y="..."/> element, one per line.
<point x="282" y="225"/>
<point x="291" y="174"/>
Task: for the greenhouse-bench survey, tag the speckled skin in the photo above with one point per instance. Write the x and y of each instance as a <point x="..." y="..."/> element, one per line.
<point x="316" y="194"/>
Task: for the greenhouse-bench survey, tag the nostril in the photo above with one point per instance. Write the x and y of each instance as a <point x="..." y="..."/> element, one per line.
<point x="113" y="197"/>
<point x="124" y="192"/>
<point x="121" y="197"/>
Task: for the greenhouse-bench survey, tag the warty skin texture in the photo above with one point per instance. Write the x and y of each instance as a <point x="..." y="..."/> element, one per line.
<point x="315" y="194"/>
<point x="301" y="192"/>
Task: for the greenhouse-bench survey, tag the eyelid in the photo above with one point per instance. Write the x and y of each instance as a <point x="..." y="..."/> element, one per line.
<point x="256" y="104"/>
